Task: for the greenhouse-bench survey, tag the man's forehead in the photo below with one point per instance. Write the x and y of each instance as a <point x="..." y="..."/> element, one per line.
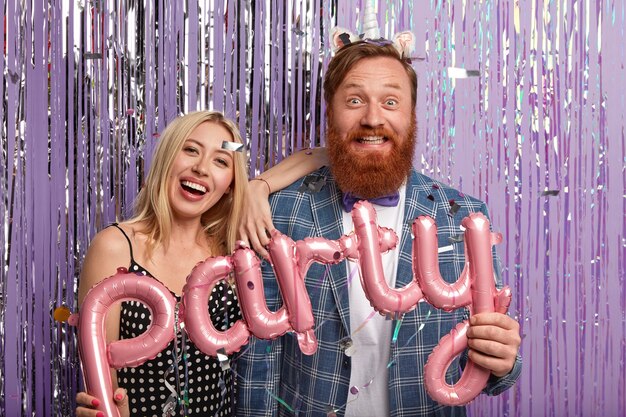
<point x="385" y="72"/>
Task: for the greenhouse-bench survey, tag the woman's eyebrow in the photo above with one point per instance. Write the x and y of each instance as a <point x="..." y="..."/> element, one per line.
<point x="197" y="142"/>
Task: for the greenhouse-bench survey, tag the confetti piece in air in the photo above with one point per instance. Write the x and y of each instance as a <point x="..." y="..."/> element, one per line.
<point x="222" y="385"/>
<point x="394" y="339"/>
<point x="312" y="183"/>
<point x="350" y="351"/>
<point x="456" y="239"/>
<point x="368" y="318"/>
<point x="280" y="400"/>
<point x="453" y="209"/>
<point x="550" y="192"/>
<point x="223" y="358"/>
<point x="93" y="55"/>
<point x="330" y="411"/>
<point x="443" y="249"/>
<point x="169" y="408"/>
<point x="61" y="314"/>
<point x="462" y="73"/>
<point x="368" y="383"/>
<point x="14" y="76"/>
<point x="232" y="146"/>
<point x="347" y="345"/>
<point x="393" y="316"/>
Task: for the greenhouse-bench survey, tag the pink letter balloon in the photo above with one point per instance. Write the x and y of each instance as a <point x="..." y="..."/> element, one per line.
<point x="196" y="292"/>
<point x="97" y="358"/>
<point x="373" y="240"/>
<point x="475" y="287"/>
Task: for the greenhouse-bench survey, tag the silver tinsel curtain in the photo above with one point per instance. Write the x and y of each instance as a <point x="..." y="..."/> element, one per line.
<point x="520" y="104"/>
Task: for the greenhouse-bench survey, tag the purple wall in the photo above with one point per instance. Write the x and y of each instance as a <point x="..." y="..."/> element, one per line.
<point x="86" y="89"/>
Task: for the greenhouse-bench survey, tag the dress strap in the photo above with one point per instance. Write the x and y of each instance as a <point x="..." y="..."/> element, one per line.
<point x="130" y="245"/>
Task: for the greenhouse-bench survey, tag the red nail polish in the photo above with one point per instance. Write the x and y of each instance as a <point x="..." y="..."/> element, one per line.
<point x="95" y="402"/>
<point x="100" y="414"/>
<point x="119" y="397"/>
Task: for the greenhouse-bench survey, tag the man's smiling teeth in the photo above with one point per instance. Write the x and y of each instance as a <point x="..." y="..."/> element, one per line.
<point x="194" y="186"/>
<point x="372" y="140"/>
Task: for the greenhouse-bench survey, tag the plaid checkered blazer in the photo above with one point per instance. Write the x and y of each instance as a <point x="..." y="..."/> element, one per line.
<point x="274" y="378"/>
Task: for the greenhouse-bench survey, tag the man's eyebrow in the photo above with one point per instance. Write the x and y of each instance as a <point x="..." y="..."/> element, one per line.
<point x="388" y="84"/>
<point x="353" y="85"/>
<point x="392" y="85"/>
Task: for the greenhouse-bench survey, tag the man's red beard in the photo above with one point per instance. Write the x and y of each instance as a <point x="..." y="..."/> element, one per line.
<point x="366" y="174"/>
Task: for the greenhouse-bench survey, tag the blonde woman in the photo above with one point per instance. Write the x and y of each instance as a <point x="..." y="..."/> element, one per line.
<point x="188" y="210"/>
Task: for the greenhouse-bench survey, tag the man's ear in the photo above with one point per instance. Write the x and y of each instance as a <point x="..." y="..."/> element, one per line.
<point x="404" y="43"/>
<point x="340" y="37"/>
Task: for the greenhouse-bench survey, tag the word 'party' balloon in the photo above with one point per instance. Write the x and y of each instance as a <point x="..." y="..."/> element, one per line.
<point x="291" y="260"/>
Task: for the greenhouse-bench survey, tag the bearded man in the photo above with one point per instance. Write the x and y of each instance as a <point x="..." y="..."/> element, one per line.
<point x="360" y="368"/>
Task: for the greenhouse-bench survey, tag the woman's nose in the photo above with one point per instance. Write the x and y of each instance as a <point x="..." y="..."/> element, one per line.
<point x="199" y="169"/>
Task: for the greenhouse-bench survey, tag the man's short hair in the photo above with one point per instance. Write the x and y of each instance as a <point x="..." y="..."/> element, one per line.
<point x="349" y="55"/>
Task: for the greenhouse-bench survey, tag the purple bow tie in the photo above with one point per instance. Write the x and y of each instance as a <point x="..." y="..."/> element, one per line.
<point x="349" y="200"/>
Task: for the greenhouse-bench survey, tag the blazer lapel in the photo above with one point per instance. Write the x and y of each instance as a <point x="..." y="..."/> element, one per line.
<point x="328" y="219"/>
<point x="415" y="204"/>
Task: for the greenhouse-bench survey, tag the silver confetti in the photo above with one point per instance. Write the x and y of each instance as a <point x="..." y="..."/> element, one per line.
<point x="232" y="146"/>
<point x="462" y="73"/>
<point x="445" y="249"/>
<point x="550" y="192"/>
<point x="456" y="239"/>
<point x="223" y="358"/>
<point x="93" y="55"/>
<point x="312" y="183"/>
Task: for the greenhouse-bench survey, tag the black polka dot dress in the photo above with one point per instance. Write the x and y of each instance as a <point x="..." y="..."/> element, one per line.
<point x="153" y="386"/>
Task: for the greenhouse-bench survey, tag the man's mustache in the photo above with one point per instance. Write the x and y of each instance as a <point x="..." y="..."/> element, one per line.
<point x="382" y="132"/>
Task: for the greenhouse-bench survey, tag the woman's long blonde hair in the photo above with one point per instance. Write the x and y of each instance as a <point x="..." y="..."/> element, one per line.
<point x="152" y="206"/>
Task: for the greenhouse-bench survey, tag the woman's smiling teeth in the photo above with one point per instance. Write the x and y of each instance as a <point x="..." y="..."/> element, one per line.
<point x="371" y="140"/>
<point x="193" y="187"/>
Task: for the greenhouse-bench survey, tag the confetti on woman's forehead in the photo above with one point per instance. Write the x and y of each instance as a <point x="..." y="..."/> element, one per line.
<point x="232" y="146"/>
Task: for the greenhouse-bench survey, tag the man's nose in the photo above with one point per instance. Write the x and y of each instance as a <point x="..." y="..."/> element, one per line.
<point x="373" y="116"/>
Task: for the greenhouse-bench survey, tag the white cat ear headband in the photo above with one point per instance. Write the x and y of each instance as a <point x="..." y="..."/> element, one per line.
<point x="404" y="42"/>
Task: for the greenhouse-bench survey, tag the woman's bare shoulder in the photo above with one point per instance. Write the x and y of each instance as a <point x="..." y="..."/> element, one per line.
<point x="107" y="252"/>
